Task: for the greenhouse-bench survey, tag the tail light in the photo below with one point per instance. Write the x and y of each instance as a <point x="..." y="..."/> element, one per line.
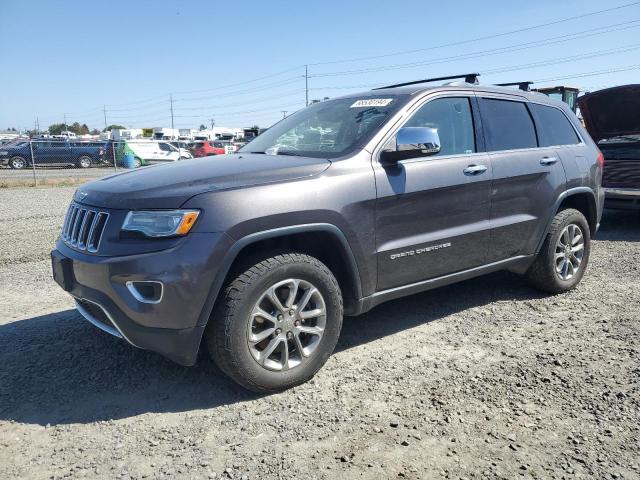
<point x="600" y="159"/>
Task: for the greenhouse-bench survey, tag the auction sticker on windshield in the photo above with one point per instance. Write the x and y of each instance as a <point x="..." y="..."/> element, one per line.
<point x="372" y="102"/>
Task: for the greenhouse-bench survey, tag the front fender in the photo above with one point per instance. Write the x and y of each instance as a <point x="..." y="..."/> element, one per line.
<point x="241" y="243"/>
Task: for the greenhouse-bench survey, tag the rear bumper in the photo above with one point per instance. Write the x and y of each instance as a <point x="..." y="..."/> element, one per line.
<point x="622" y="198"/>
<point x="172" y="326"/>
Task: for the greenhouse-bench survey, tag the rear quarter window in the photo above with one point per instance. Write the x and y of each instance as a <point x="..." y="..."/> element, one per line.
<point x="554" y="128"/>
<point x="507" y="125"/>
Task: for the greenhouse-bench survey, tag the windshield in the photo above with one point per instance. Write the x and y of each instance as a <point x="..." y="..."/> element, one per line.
<point x="327" y="129"/>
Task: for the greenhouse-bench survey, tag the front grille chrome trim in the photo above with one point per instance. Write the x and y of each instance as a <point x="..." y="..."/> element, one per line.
<point x="84" y="227"/>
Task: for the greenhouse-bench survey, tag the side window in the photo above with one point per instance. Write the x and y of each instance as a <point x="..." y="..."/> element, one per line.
<point x="507" y="125"/>
<point x="164" y="147"/>
<point x="554" y="127"/>
<point x="453" y="120"/>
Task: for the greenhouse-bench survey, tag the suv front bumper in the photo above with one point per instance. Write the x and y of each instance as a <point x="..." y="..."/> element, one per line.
<point x="172" y="326"/>
<point x="622" y="198"/>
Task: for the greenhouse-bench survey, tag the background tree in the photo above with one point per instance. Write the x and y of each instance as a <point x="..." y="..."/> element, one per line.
<point x="202" y="127"/>
<point x="115" y="126"/>
<point x="56" y="128"/>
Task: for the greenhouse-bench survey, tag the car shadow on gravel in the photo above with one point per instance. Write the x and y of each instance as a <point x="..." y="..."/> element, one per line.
<point x="620" y="225"/>
<point x="59" y="369"/>
<point x="412" y="311"/>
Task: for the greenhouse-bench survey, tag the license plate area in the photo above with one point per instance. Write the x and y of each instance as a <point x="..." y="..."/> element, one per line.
<point x="62" y="268"/>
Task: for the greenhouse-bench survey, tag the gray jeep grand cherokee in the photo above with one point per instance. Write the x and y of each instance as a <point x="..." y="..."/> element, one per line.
<point x="339" y="207"/>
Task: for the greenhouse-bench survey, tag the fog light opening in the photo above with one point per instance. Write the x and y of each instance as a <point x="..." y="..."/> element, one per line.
<point x="146" y="291"/>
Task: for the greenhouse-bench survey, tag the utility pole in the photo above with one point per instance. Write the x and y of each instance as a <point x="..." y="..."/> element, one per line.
<point x="104" y="111"/>
<point x="306" y="85"/>
<point x="171" y="102"/>
<point x="284" y="113"/>
<point x="65" y="122"/>
<point x="213" y="122"/>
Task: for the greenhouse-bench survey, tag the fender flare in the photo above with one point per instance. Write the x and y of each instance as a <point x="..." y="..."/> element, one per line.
<point x="556" y="206"/>
<point x="231" y="255"/>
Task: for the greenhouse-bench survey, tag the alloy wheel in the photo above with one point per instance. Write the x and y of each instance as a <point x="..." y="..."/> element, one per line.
<point x="286" y="324"/>
<point x="569" y="252"/>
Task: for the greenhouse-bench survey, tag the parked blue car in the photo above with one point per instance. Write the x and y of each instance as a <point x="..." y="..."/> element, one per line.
<point x="18" y="154"/>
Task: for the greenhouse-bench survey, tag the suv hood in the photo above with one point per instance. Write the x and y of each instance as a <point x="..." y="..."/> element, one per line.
<point x="611" y="112"/>
<point x="170" y="185"/>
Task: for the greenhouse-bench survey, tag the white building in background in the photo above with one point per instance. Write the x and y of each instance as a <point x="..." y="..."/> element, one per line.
<point x="125" y="133"/>
<point x="219" y="133"/>
<point x="8" y="134"/>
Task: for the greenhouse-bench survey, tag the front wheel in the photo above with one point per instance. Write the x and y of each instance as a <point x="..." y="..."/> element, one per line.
<point x="563" y="258"/>
<point x="17" y="163"/>
<point x="276" y="323"/>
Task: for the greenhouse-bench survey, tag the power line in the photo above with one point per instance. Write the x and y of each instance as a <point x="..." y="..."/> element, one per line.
<point x="495" y="51"/>
<point x="573" y="58"/>
<point x="545" y="63"/>
<point x="243" y="83"/>
<point x="244" y="112"/>
<point x="476" y="39"/>
<point x="250" y="102"/>
<point x="627" y="68"/>
<point x="245" y="91"/>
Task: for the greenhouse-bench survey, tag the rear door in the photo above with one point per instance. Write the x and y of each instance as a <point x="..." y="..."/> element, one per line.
<point x="432" y="218"/>
<point x="527" y="178"/>
<point x="556" y="130"/>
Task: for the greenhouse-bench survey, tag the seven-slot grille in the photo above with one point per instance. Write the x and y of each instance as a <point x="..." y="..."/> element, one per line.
<point x="83" y="227"/>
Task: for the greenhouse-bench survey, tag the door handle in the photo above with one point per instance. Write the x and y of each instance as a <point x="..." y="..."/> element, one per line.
<point x="475" y="169"/>
<point x="548" y="160"/>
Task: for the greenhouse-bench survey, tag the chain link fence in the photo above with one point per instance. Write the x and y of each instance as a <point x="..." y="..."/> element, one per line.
<point x="38" y="162"/>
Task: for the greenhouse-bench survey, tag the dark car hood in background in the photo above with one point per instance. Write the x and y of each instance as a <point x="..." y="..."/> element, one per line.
<point x="611" y="112"/>
<point x="170" y="185"/>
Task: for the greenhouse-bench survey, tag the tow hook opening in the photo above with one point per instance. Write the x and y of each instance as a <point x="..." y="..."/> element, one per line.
<point x="146" y="291"/>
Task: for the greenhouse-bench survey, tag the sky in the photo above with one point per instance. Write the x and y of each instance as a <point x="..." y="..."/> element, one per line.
<point x="243" y="63"/>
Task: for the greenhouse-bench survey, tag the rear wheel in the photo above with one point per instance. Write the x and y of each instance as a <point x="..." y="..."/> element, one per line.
<point x="276" y="323"/>
<point x="17" y="162"/>
<point x="563" y="258"/>
<point x="84" y="162"/>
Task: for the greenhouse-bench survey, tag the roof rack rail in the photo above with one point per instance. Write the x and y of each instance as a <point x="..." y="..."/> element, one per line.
<point x="468" y="78"/>
<point x="525" y="86"/>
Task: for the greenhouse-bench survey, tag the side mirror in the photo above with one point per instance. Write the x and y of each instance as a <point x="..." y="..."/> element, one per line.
<point x="412" y="142"/>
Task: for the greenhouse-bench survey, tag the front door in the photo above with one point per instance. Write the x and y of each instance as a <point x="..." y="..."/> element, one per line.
<point x="432" y="213"/>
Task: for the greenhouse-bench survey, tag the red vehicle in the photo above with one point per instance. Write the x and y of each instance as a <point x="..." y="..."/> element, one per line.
<point x="206" y="148"/>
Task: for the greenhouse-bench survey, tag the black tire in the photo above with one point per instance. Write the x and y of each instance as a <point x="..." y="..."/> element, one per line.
<point x="18" y="163"/>
<point x="137" y="162"/>
<point x="543" y="274"/>
<point x="84" y="162"/>
<point x="227" y="334"/>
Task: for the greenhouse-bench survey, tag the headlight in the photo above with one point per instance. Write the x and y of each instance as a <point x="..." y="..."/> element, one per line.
<point x="160" y="223"/>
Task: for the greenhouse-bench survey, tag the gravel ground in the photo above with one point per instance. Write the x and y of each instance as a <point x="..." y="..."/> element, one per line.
<point x="484" y="379"/>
